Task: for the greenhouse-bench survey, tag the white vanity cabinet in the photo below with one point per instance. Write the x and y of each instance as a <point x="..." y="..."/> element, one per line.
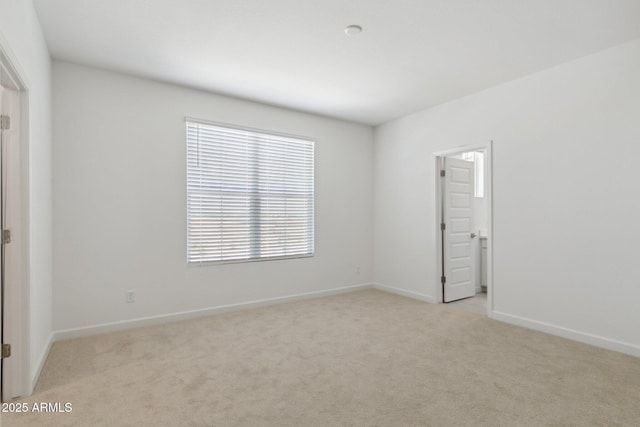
<point x="483" y="263"/>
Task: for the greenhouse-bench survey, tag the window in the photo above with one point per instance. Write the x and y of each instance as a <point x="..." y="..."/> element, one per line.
<point x="249" y="194"/>
<point x="477" y="157"/>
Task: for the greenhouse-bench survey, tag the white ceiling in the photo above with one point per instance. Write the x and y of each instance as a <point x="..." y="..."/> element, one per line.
<point x="412" y="54"/>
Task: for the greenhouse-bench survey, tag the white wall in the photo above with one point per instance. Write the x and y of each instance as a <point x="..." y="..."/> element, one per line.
<point x="566" y="196"/>
<point x="22" y="40"/>
<point x="119" y="207"/>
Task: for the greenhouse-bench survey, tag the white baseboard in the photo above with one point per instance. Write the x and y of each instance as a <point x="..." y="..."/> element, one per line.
<point x="192" y="314"/>
<point x="404" y="293"/>
<point x="571" y="334"/>
<point x="35" y="375"/>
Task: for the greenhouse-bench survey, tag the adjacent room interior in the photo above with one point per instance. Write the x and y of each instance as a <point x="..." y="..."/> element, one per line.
<point x="320" y="213"/>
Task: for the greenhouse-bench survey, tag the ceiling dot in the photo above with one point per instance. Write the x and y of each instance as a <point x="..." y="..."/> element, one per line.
<point x="352" y="30"/>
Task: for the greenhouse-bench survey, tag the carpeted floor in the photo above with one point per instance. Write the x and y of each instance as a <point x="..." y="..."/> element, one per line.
<point x="359" y="359"/>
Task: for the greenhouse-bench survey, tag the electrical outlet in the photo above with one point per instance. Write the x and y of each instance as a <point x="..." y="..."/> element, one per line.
<point x="358" y="270"/>
<point x="131" y="295"/>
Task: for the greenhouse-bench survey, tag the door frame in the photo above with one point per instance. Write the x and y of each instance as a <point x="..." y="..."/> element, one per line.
<point x="438" y="158"/>
<point x="13" y="77"/>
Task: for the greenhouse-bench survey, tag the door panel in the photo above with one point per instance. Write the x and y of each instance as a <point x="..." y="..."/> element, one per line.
<point x="458" y="219"/>
<point x="460" y="225"/>
<point x="460" y="251"/>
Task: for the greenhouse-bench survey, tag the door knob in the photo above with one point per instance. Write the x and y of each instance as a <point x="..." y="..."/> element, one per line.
<point x="473" y="235"/>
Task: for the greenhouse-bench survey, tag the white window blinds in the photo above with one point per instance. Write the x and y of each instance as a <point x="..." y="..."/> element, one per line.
<point x="249" y="194"/>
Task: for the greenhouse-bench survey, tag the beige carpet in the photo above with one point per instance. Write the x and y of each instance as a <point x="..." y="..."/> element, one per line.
<point x="360" y="359"/>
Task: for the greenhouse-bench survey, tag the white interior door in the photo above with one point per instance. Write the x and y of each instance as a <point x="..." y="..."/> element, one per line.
<point x="11" y="220"/>
<point x="2" y="376"/>
<point x="459" y="274"/>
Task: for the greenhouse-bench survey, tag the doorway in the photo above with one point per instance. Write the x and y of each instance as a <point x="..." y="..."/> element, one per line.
<point x="463" y="201"/>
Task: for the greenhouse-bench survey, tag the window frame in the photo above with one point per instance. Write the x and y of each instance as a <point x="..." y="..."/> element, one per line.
<point x="258" y="132"/>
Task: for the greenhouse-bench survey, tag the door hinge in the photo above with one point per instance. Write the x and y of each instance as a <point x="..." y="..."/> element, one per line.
<point x="5" y="122"/>
<point x="443" y="280"/>
<point x="443" y="226"/>
<point x="6" y="350"/>
<point x="442" y="172"/>
<point x="6" y="236"/>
